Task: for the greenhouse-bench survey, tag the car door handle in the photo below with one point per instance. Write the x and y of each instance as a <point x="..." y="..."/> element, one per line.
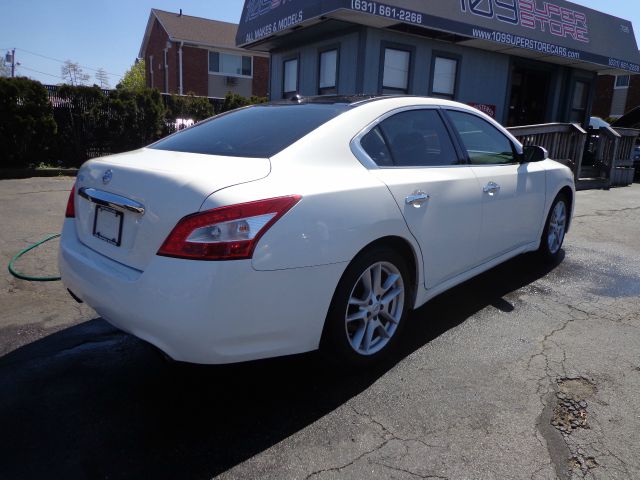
<point x="416" y="199"/>
<point x="491" y="188"/>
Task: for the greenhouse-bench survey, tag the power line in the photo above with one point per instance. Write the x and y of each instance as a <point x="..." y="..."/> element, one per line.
<point x="64" y="61"/>
<point x="43" y="73"/>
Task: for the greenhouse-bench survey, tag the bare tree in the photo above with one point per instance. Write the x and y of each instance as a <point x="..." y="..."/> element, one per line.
<point x="72" y="73"/>
<point x="103" y="78"/>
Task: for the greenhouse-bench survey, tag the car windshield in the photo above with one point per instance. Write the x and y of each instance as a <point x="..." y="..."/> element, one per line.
<point x="258" y="131"/>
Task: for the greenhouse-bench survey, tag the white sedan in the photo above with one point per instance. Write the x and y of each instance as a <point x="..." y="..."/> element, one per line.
<point x="315" y="223"/>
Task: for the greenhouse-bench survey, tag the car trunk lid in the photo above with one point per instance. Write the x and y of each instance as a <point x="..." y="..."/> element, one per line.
<point x="127" y="204"/>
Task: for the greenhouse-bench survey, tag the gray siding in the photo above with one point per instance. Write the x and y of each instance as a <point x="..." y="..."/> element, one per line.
<point x="308" y="65"/>
<point x="477" y="67"/>
<point x="483" y="76"/>
<point x="219" y="86"/>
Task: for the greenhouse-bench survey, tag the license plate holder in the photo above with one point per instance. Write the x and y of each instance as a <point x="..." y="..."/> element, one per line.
<point x="107" y="225"/>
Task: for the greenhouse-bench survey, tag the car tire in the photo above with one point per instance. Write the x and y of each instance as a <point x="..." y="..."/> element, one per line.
<point x="555" y="229"/>
<point x="368" y="310"/>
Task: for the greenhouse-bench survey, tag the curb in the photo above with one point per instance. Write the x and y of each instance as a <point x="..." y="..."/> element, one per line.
<point x="16" y="173"/>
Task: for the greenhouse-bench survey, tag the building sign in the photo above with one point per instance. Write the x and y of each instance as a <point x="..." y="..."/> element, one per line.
<point x="550" y="27"/>
<point x="485" y="108"/>
<point x="263" y="18"/>
<point x="544" y="16"/>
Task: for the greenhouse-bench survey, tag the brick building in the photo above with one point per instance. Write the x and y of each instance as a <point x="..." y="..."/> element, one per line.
<point x="616" y="95"/>
<point x="186" y="54"/>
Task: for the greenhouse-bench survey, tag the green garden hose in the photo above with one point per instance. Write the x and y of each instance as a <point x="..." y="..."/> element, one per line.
<point x="29" y="278"/>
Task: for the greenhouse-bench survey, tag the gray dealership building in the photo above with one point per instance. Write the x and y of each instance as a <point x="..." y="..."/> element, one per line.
<point x="521" y="61"/>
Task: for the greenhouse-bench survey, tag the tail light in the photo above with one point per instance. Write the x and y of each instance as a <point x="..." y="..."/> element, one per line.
<point x="71" y="207"/>
<point x="225" y="233"/>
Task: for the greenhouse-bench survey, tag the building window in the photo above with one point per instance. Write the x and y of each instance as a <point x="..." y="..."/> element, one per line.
<point x="622" y="81"/>
<point x="230" y="64"/>
<point x="444" y="74"/>
<point x="290" y="77"/>
<point x="579" y="102"/>
<point x="328" y="72"/>
<point x="395" y="76"/>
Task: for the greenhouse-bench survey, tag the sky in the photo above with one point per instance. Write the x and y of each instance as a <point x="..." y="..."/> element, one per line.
<point x="107" y="34"/>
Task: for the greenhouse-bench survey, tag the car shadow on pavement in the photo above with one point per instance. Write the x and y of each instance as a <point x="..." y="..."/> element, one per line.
<point x="92" y="402"/>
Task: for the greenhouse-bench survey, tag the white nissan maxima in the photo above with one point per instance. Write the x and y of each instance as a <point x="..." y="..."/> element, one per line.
<point x="315" y="223"/>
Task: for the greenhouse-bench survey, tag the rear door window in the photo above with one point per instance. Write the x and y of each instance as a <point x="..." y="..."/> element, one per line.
<point x="374" y="144"/>
<point x="413" y="138"/>
<point x="259" y="131"/>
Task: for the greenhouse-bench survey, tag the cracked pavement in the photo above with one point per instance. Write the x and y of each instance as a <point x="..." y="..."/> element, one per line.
<point x="483" y="372"/>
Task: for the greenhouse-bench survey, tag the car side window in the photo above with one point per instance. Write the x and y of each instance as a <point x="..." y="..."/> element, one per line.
<point x="485" y="144"/>
<point x="373" y="143"/>
<point x="418" y="138"/>
<point x="413" y="138"/>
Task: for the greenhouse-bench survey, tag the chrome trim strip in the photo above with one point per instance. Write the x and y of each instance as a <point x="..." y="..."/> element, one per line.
<point x="112" y="200"/>
<point x="367" y="161"/>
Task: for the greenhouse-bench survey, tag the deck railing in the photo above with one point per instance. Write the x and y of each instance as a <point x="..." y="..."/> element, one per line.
<point x="608" y="156"/>
<point x="626" y="144"/>
<point x="564" y="141"/>
<point x="622" y="170"/>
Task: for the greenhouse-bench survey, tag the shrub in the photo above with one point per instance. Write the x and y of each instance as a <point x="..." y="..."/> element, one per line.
<point x="233" y="101"/>
<point x="93" y="123"/>
<point x="134" y="119"/>
<point x="77" y="117"/>
<point x="27" y="125"/>
<point x="87" y="122"/>
<point x="188" y="106"/>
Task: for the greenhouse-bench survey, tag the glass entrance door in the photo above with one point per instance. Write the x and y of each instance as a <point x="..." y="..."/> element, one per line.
<point x="529" y="96"/>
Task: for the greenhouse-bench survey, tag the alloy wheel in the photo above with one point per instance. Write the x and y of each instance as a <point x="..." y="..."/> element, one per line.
<point x="374" y="308"/>
<point x="557" y="227"/>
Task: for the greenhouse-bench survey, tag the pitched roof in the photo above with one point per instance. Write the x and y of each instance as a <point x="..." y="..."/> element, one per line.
<point x="193" y="30"/>
<point x="197" y="30"/>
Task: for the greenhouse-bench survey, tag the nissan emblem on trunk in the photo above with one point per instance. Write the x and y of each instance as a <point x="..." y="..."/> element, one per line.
<point x="106" y="178"/>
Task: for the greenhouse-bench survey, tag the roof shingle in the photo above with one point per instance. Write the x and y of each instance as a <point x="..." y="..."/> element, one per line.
<point x="198" y="30"/>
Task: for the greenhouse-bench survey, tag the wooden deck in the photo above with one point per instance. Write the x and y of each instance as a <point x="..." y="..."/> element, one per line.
<point x="598" y="158"/>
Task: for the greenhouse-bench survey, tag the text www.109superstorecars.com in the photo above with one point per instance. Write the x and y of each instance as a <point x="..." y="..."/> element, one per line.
<point x="382" y="10"/>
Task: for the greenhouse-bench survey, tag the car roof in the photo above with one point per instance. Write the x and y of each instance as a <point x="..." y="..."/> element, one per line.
<point x="350" y="101"/>
<point x="346" y="100"/>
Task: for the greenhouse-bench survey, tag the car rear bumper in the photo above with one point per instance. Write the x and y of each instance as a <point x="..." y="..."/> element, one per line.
<point x="203" y="312"/>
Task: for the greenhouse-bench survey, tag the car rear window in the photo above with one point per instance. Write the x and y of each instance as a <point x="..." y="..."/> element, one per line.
<point x="258" y="131"/>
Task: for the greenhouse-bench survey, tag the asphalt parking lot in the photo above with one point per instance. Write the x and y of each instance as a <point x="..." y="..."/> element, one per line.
<point x="528" y="371"/>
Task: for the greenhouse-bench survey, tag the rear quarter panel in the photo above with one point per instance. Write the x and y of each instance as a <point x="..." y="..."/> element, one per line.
<point x="343" y="207"/>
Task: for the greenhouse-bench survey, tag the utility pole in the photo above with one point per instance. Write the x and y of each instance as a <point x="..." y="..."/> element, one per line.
<point x="13" y="63"/>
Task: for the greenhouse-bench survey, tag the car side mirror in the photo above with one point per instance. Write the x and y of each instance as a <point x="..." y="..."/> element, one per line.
<point x="534" y="153"/>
